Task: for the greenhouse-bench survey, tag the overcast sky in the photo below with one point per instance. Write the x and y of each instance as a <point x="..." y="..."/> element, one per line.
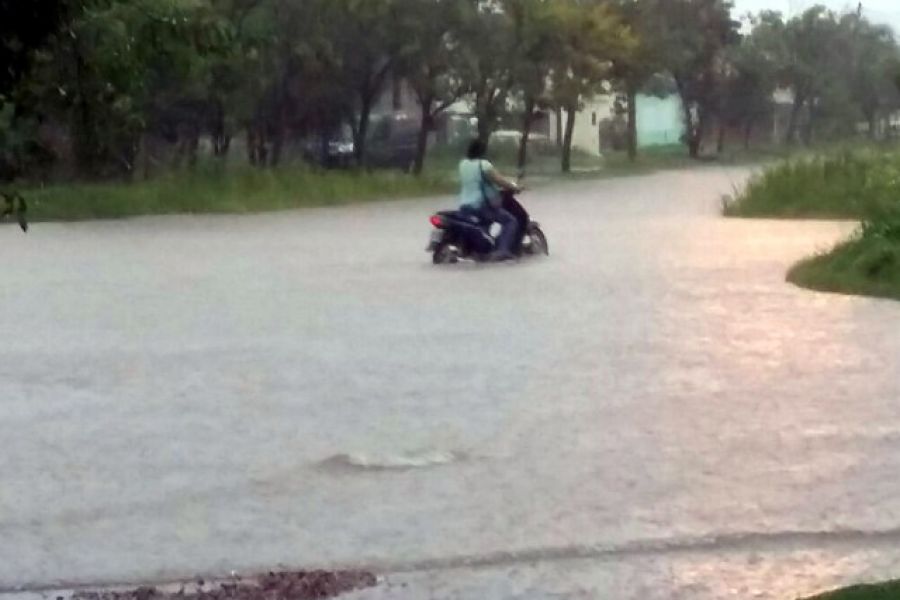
<point x="881" y="11"/>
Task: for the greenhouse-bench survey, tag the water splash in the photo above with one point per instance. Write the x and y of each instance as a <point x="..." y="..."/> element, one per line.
<point x="393" y="462"/>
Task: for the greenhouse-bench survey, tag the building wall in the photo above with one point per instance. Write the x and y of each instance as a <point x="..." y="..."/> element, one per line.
<point x="659" y="122"/>
<point x="586" y="136"/>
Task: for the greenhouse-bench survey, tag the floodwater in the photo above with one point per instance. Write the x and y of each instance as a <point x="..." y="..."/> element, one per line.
<point x="651" y="412"/>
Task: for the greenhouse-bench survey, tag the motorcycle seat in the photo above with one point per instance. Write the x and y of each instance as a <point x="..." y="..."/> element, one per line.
<point x="466" y="217"/>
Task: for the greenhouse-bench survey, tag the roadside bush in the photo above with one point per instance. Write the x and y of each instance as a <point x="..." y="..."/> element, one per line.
<point x="857" y="184"/>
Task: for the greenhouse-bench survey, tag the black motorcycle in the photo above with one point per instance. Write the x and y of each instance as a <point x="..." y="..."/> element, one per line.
<point x="461" y="235"/>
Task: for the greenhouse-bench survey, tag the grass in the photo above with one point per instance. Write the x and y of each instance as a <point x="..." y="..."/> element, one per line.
<point x="861" y="184"/>
<point x="212" y="188"/>
<point x="241" y="190"/>
<point x="847" y="184"/>
<point x="867" y="265"/>
<point x="880" y="591"/>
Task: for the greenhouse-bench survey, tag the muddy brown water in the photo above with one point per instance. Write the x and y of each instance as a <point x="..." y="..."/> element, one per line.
<point x="650" y="410"/>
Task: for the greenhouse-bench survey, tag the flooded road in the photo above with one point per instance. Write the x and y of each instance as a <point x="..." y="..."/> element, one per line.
<point x="649" y="413"/>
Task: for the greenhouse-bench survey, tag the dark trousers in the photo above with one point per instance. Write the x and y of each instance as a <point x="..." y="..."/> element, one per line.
<point x="509" y="226"/>
<point x="515" y="208"/>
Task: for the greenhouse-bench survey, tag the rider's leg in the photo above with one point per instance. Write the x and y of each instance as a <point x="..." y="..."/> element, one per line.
<point x="509" y="229"/>
<point x="512" y="206"/>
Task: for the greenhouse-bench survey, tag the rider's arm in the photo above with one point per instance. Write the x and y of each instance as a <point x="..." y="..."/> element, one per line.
<point x="500" y="181"/>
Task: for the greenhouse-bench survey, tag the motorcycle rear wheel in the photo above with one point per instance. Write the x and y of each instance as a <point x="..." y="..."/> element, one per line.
<point x="445" y="254"/>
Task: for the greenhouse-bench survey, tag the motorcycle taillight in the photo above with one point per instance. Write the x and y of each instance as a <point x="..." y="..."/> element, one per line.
<point x="437" y="221"/>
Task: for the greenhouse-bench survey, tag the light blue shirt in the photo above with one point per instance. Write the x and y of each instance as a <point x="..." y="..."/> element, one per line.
<point x="470" y="180"/>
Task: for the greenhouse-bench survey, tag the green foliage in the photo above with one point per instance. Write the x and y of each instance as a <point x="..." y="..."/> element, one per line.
<point x="880" y="591"/>
<point x="839" y="68"/>
<point x="112" y="61"/>
<point x="693" y="37"/>
<point x="858" y="184"/>
<point x="854" y="184"/>
<point x="24" y="27"/>
<point x="869" y="265"/>
<point x="593" y="38"/>
<point x="109" y="75"/>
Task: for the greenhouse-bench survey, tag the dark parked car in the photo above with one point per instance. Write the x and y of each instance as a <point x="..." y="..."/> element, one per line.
<point x="392" y="142"/>
<point x="336" y="153"/>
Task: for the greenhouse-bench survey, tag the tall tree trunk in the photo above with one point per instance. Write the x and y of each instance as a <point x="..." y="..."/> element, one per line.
<point x="794" y="120"/>
<point x="484" y="106"/>
<point x="872" y="119"/>
<point x="220" y="140"/>
<point x="86" y="143"/>
<point x="484" y="129"/>
<point x="527" y="123"/>
<point x="193" y="147"/>
<point x="251" y="145"/>
<point x="146" y="161"/>
<point x="691" y="132"/>
<point x="361" y="130"/>
<point x="720" y="142"/>
<point x="396" y="92"/>
<point x="559" y="127"/>
<point x="571" y="112"/>
<point x="257" y="152"/>
<point x="281" y="132"/>
<point x="277" y="147"/>
<point x="422" y="141"/>
<point x="323" y="147"/>
<point x="632" y="141"/>
<point x="810" y="126"/>
<point x="223" y="145"/>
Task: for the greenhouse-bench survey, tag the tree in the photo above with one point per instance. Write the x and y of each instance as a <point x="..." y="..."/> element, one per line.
<point x="750" y="82"/>
<point x="109" y="64"/>
<point x="693" y="36"/>
<point x="810" y="63"/>
<point x="874" y="53"/>
<point x="636" y="70"/>
<point x="430" y="61"/>
<point x="537" y="42"/>
<point x="594" y="37"/>
<point x="489" y="55"/>
<point x="24" y="28"/>
<point x="361" y="33"/>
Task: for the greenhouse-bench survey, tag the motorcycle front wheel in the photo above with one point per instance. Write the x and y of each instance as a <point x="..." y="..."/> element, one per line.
<point x="539" y="244"/>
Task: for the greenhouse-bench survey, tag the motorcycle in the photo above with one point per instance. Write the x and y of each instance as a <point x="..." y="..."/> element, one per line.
<point x="460" y="235"/>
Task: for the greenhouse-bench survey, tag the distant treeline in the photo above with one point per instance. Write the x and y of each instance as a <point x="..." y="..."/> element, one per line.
<point x="113" y="87"/>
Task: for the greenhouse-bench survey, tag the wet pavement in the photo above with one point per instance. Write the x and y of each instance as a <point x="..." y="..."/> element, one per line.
<point x="649" y="413"/>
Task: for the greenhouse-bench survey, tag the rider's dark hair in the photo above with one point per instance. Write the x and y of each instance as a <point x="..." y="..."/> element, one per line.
<point x="477" y="149"/>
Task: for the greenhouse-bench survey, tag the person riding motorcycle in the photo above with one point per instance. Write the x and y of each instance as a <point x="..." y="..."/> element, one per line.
<point x="481" y="189"/>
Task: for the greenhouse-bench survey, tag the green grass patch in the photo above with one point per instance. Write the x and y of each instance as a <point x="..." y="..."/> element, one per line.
<point x="861" y="184"/>
<point x="242" y="190"/>
<point x="880" y="591"/>
<point x="851" y="184"/>
<point x="868" y="265"/>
